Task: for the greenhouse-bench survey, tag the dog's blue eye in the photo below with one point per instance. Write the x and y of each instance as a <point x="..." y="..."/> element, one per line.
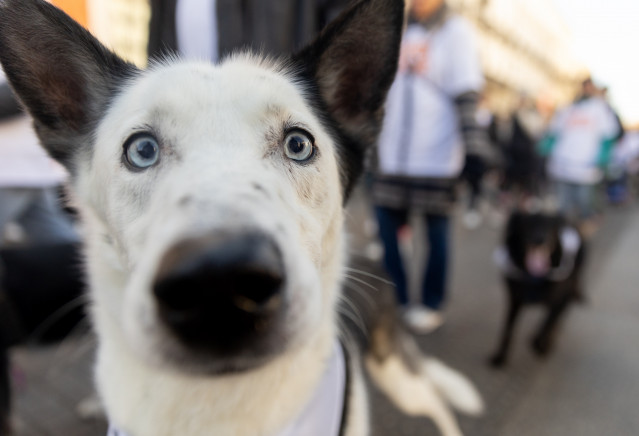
<point x="142" y="151"/>
<point x="298" y="146"/>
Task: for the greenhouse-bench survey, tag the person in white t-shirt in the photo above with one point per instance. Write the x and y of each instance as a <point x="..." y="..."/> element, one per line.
<point x="579" y="146"/>
<point x="430" y="132"/>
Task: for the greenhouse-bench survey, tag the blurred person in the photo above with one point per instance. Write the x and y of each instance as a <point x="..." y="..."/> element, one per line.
<point x="623" y="168"/>
<point x="604" y="94"/>
<point x="430" y="127"/>
<point x="632" y="142"/>
<point x="579" y="146"/>
<point x="517" y="137"/>
<point x="474" y="176"/>
<point x="212" y="29"/>
<point x="615" y="174"/>
<point x="36" y="278"/>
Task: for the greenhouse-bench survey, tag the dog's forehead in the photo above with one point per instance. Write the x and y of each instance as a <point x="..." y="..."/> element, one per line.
<point x="243" y="88"/>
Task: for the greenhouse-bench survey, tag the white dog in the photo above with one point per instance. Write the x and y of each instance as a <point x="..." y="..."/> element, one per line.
<point x="212" y="199"/>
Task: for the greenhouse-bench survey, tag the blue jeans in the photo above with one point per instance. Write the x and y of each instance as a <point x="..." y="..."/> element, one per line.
<point x="434" y="280"/>
<point x="576" y="201"/>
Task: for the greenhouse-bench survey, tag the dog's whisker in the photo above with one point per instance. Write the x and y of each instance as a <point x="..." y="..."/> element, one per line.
<point x="354" y="312"/>
<point x="363" y="282"/>
<point x="86" y="343"/>
<point x="362" y="293"/>
<point x="367" y="274"/>
<point x="348" y="340"/>
<point x="347" y="214"/>
<point x="357" y="322"/>
<point x="69" y="352"/>
<point x="56" y="316"/>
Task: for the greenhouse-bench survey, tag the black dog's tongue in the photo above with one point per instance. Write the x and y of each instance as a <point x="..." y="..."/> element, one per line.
<point x="537" y="262"/>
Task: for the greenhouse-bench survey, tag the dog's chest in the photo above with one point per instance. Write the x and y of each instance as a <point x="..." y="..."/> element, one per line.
<point x="324" y="414"/>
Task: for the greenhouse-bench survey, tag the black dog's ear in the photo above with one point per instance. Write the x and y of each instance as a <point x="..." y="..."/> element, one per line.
<point x="353" y="63"/>
<point x="64" y="77"/>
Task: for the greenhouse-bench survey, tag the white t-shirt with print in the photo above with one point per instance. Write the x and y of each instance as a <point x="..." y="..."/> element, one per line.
<point x="196" y="29"/>
<point x="421" y="135"/>
<point x="581" y="129"/>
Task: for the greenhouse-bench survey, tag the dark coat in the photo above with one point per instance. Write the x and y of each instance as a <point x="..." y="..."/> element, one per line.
<point x="278" y="27"/>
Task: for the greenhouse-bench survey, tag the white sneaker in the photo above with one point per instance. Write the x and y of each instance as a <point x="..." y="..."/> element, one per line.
<point x="374" y="251"/>
<point x="423" y="320"/>
<point x="472" y="219"/>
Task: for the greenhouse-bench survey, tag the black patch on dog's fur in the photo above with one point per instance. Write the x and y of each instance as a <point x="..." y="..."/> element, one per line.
<point x="348" y="71"/>
<point x="64" y="77"/>
<point x="525" y="231"/>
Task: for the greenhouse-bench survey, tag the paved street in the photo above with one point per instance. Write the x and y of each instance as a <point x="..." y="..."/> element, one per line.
<point x="589" y="386"/>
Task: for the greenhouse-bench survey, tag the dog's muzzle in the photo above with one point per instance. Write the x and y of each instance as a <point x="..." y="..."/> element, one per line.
<point x="221" y="293"/>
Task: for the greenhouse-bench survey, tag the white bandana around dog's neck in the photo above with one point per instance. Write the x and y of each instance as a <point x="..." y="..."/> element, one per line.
<point x="570" y="243"/>
<point x="322" y="415"/>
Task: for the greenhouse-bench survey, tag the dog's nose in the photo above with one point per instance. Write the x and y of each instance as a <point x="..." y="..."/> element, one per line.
<point x="215" y="291"/>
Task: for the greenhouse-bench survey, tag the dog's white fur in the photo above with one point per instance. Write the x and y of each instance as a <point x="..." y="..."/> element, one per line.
<point x="222" y="169"/>
<point x="205" y="183"/>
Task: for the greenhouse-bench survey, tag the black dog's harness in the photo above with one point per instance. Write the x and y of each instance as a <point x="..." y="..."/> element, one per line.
<point x="326" y="412"/>
<point x="570" y="244"/>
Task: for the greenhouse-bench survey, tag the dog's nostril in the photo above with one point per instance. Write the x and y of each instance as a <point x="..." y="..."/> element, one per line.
<point x="221" y="282"/>
<point x="257" y="292"/>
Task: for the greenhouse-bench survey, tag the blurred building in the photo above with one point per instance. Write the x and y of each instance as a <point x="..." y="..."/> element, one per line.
<point x="119" y="24"/>
<point x="75" y="8"/>
<point x="526" y="47"/>
<point x="122" y="25"/>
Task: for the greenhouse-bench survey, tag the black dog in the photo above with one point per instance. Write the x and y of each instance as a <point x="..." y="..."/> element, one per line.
<point x="541" y="261"/>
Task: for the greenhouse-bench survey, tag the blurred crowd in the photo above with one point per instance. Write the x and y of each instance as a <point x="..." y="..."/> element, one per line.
<point x="441" y="141"/>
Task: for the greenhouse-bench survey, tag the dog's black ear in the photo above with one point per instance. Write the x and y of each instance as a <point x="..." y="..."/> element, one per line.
<point x="64" y="77"/>
<point x="353" y="63"/>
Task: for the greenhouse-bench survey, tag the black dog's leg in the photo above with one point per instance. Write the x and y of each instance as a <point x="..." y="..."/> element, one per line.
<point x="499" y="358"/>
<point x="542" y="342"/>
